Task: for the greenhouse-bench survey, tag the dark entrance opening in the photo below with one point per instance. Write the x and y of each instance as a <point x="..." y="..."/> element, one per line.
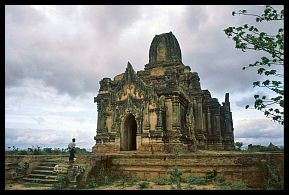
<point x="128" y="137"/>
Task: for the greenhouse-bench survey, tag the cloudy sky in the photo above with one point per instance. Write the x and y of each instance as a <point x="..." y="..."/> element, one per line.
<point x="55" y="57"/>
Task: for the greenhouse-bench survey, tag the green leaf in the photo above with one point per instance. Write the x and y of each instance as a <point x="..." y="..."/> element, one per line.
<point x="267" y="82"/>
<point x="265" y="60"/>
<point x="256" y="83"/>
<point x="261" y="70"/>
<point x="247" y="106"/>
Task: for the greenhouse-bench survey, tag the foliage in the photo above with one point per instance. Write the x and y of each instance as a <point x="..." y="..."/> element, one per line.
<point x="238" y="145"/>
<point x="196" y="180"/>
<point x="250" y="38"/>
<point x="274" y="180"/>
<point x="176" y="173"/>
<point x="235" y="186"/>
<point x="220" y="181"/>
<point x="22" y="168"/>
<point x="42" y="151"/>
<point x="92" y="183"/>
<point x="143" y="184"/>
<point x="161" y="181"/>
<point x="209" y="176"/>
<point x="122" y="182"/>
<point x="259" y="148"/>
<point x="200" y="180"/>
<point x="62" y="182"/>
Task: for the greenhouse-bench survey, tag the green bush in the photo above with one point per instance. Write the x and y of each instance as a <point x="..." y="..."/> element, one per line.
<point x="220" y="181"/>
<point x="235" y="186"/>
<point x="211" y="175"/>
<point x="62" y="182"/>
<point x="143" y="184"/>
<point x="196" y="180"/>
<point x="161" y="181"/>
<point x="274" y="180"/>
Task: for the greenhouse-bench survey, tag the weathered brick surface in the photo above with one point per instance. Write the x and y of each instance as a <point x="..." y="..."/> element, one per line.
<point x="249" y="168"/>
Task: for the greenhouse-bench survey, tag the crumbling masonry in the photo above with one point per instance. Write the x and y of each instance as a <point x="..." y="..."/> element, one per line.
<point x="162" y="106"/>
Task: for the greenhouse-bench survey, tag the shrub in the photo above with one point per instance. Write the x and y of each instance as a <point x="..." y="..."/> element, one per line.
<point x="274" y="181"/>
<point x="211" y="175"/>
<point x="92" y="183"/>
<point x="196" y="180"/>
<point x="62" y="182"/>
<point x="143" y="184"/>
<point x="220" y="181"/>
<point x="235" y="186"/>
<point x="163" y="181"/>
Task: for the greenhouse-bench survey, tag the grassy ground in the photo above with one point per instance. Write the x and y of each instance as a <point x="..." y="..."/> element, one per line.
<point x="17" y="186"/>
<point x="117" y="186"/>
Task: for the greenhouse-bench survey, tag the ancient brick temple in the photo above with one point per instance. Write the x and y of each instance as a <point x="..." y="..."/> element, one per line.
<point x="162" y="106"/>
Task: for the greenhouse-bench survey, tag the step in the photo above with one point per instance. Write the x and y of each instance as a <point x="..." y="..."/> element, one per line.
<point x="49" y="172"/>
<point x="53" y="159"/>
<point x="42" y="181"/>
<point x="48" y="164"/>
<point x="45" y="168"/>
<point x="28" y="184"/>
<point x="11" y="165"/>
<point x="42" y="176"/>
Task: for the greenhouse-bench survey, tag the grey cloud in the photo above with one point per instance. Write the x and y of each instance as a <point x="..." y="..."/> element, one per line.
<point x="28" y="137"/>
<point x="257" y="131"/>
<point x="70" y="61"/>
<point x="249" y="100"/>
<point x="261" y="141"/>
<point x="215" y="58"/>
<point x="88" y="44"/>
<point x="24" y="138"/>
<point x="110" y="20"/>
<point x="39" y="120"/>
<point x="23" y="15"/>
<point x="258" y="128"/>
<point x="195" y="16"/>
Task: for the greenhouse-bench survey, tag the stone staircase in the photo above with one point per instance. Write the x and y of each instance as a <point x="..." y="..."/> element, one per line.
<point x="45" y="174"/>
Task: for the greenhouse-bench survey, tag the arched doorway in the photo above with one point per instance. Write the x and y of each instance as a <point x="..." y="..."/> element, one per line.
<point x="128" y="135"/>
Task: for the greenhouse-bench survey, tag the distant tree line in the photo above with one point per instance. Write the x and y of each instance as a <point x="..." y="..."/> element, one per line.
<point x="42" y="151"/>
<point x="258" y="148"/>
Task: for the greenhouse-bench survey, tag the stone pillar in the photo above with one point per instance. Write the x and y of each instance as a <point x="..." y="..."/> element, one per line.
<point x="138" y="140"/>
<point x="146" y="119"/>
<point x="199" y="116"/>
<point x="205" y="123"/>
<point x="159" y="120"/>
<point x="209" y="122"/>
<point x="218" y="124"/>
<point x="176" y="112"/>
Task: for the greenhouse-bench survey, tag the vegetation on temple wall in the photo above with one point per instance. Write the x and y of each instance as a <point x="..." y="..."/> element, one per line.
<point x="62" y="182"/>
<point x="270" y="65"/>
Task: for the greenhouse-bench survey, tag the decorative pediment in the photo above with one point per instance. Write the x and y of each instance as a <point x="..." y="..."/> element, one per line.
<point x="132" y="87"/>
